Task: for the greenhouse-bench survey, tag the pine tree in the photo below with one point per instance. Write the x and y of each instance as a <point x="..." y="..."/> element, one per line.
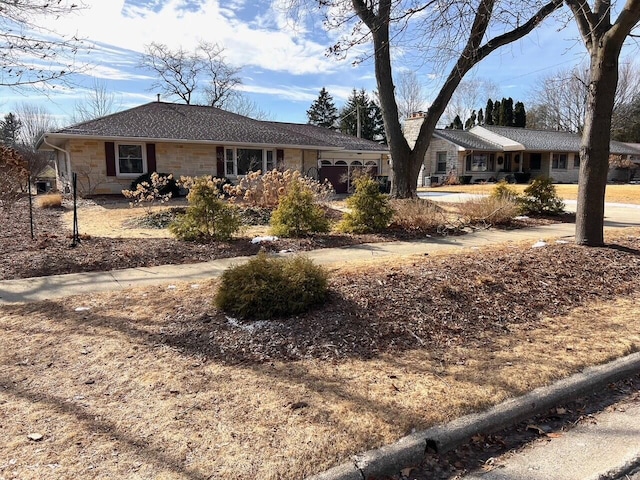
<point x="10" y="129"/>
<point x="371" y="123"/>
<point x="323" y="111"/>
<point x="456" y="124"/>
<point x="488" y="117"/>
<point x="495" y="117"/>
<point x="480" y="117"/>
<point x="507" y="112"/>
<point x="519" y="115"/>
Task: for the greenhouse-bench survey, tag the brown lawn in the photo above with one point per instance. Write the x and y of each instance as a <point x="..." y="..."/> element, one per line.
<point x="615" y="193"/>
<point x="155" y="383"/>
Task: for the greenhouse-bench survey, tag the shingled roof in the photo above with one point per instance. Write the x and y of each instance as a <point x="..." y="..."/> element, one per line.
<point x="550" y="141"/>
<point x="160" y="121"/>
<point x="467" y="140"/>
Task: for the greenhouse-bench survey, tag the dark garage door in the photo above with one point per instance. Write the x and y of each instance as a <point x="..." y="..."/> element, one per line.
<point x="337" y="175"/>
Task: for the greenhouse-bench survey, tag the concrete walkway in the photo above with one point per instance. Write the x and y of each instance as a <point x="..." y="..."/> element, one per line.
<point x="57" y="286"/>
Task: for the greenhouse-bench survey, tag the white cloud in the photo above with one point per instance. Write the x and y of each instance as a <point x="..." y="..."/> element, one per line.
<point x="261" y="41"/>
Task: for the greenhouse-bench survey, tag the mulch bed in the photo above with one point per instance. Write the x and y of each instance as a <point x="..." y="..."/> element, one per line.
<point x="51" y="251"/>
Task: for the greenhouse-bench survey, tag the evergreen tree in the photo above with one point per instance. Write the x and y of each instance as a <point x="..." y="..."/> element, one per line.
<point x="495" y="117"/>
<point x="471" y="121"/>
<point x="488" y="117"/>
<point x="10" y="129"/>
<point x="323" y="111"/>
<point x="371" y="123"/>
<point x="507" y="112"/>
<point x="481" y="117"/>
<point x="519" y="115"/>
<point x="456" y="124"/>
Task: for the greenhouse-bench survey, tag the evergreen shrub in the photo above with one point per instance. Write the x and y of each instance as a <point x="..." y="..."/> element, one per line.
<point x="267" y="287"/>
<point x="297" y="214"/>
<point x="370" y="209"/>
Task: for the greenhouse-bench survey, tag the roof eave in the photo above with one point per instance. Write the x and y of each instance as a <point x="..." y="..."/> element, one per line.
<point x="71" y="136"/>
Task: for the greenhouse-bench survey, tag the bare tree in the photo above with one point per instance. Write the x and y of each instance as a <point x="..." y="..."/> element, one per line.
<point x="604" y="40"/>
<point x="243" y="105"/>
<point x="180" y="73"/>
<point x="560" y="100"/>
<point x="410" y="94"/>
<point x="35" y="120"/>
<point x="97" y="102"/>
<point x="470" y="95"/>
<point x="221" y="79"/>
<point x="31" y="54"/>
<point x="457" y="34"/>
<point x="177" y="70"/>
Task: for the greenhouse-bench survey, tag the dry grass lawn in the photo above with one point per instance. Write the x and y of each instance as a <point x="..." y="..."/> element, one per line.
<point x="111" y="399"/>
<point x="615" y="193"/>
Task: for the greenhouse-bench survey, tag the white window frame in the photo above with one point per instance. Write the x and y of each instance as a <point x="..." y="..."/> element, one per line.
<point x="558" y="156"/>
<point x="439" y="155"/>
<point x="264" y="167"/>
<point x="143" y="150"/>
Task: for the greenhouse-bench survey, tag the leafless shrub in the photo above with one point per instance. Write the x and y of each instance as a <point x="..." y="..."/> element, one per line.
<point x="14" y="177"/>
<point x="148" y="194"/>
<point x="266" y="190"/>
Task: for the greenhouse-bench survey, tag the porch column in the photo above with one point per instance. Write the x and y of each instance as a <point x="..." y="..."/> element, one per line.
<point x="521" y="163"/>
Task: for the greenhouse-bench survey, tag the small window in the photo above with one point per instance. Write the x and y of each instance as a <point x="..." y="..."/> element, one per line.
<point x="340" y="162"/>
<point x="441" y="166"/>
<point x="325" y="163"/>
<point x="576" y="160"/>
<point x="356" y="163"/>
<point x="130" y="161"/>
<point x="559" y="161"/>
<point x="479" y="162"/>
<point x="270" y="163"/>
<point x="229" y="163"/>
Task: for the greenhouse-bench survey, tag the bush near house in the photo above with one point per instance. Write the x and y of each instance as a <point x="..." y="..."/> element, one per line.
<point x="50" y="200"/>
<point x="265" y="288"/>
<point x="148" y="193"/>
<point x="208" y="217"/>
<point x="417" y="215"/>
<point x="370" y="209"/>
<point x="170" y="186"/>
<point x="541" y="198"/>
<point x="297" y="214"/>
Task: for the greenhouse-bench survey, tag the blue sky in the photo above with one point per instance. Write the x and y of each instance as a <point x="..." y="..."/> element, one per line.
<point x="284" y="64"/>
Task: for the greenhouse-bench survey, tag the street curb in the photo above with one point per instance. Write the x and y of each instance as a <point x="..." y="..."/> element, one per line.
<point x="409" y="451"/>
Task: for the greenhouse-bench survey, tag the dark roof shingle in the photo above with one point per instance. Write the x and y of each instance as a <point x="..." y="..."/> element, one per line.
<point x="179" y="122"/>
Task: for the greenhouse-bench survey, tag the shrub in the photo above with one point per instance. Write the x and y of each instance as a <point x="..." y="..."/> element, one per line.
<point x="266" y="287"/>
<point x="50" y="200"/>
<point x="148" y="193"/>
<point x="297" y="214"/>
<point x="266" y="190"/>
<point x="14" y="177"/>
<point x="169" y="186"/>
<point x="490" y="210"/>
<point x="503" y="190"/>
<point x="522" y="177"/>
<point x="207" y="217"/>
<point x="417" y="215"/>
<point x="370" y="210"/>
<point x="541" y="198"/>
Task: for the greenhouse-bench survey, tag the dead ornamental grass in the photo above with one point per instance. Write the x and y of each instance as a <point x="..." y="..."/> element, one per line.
<point x="115" y="396"/>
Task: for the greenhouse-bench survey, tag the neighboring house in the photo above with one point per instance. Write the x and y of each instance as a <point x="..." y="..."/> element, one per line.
<point x="109" y="152"/>
<point x="490" y="152"/>
<point x="45" y="180"/>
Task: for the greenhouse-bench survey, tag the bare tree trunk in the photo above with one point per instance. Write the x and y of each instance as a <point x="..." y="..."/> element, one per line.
<point x="594" y="152"/>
